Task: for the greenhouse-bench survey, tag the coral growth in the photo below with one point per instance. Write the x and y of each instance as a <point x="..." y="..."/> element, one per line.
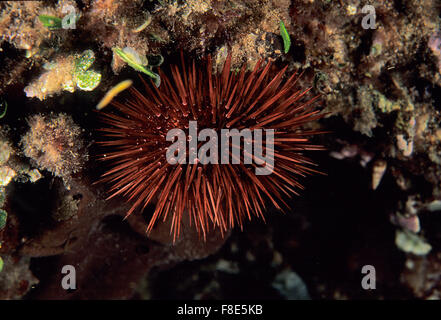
<point x="65" y="73"/>
<point x="54" y="143"/>
<point x="249" y="28"/>
<point x="434" y="44"/>
<point x="6" y="151"/>
<point x="19" y="23"/>
<point x="115" y="24"/>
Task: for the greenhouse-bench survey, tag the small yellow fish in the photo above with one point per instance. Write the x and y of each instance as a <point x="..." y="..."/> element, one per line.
<point x="123" y="85"/>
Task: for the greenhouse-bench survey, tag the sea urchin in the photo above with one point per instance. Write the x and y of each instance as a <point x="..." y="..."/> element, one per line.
<point x="219" y="195"/>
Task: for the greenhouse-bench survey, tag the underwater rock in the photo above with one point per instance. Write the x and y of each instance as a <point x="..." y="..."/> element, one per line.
<point x="15" y="279"/>
<point x="291" y="286"/>
<point x="412" y="243"/>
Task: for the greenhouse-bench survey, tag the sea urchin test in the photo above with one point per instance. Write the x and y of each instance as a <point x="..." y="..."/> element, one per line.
<point x="264" y="109"/>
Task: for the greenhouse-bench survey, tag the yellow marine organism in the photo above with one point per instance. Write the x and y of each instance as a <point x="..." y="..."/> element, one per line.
<point x="123" y="85"/>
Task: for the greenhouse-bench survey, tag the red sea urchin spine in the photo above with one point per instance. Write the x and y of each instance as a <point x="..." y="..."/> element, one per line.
<point x="221" y="195"/>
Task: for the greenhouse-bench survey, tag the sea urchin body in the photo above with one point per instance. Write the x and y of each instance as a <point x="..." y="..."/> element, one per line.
<point x="215" y="194"/>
